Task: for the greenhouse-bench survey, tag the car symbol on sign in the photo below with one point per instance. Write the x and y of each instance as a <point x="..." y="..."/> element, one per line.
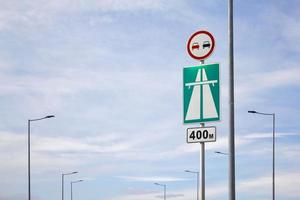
<point x="206" y="44"/>
<point x="195" y="45"/>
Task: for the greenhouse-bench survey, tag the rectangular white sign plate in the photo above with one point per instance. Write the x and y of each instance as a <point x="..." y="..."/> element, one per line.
<point x="201" y="134"/>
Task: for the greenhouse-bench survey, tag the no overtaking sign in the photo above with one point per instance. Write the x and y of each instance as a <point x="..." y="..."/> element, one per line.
<point x="200" y="45"/>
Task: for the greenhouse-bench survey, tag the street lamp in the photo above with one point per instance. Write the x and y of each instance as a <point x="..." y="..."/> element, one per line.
<point x="72" y="187"/>
<point x="62" y="182"/>
<point x="194" y="172"/>
<point x="29" y="157"/>
<point x="219" y="152"/>
<point x="273" y="149"/>
<point x="165" y="189"/>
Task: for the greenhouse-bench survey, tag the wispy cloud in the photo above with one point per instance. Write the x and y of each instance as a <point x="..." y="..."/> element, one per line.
<point x="170" y="196"/>
<point x="152" y="179"/>
<point x="266" y="81"/>
<point x="38" y="13"/>
<point x="139" y="191"/>
<point x="287" y="184"/>
<point x="269" y="135"/>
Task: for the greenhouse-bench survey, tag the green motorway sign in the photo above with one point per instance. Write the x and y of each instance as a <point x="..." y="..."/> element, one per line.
<point x="201" y="93"/>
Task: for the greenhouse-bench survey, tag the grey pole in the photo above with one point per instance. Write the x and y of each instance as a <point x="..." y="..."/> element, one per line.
<point x="231" y="137"/>
<point x="194" y="172"/>
<point x="273" y="148"/>
<point x="71" y="190"/>
<point x="62" y="183"/>
<point x="29" y="181"/>
<point x="165" y="189"/>
<point x="202" y="160"/>
<point x="62" y="186"/>
<point x="29" y="156"/>
<point x="198" y="185"/>
<point x="202" y="171"/>
<point x="72" y="187"/>
<point x="273" y="175"/>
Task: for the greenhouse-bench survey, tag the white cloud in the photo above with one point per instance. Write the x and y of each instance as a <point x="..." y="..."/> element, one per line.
<point x="269" y="135"/>
<point x="287" y="25"/>
<point x="246" y="90"/>
<point x="61" y="145"/>
<point x="152" y="179"/>
<point x="287" y="185"/>
<point x="150" y="196"/>
<point x="41" y="13"/>
<point x="140" y="191"/>
<point x="53" y="153"/>
<point x="221" y="144"/>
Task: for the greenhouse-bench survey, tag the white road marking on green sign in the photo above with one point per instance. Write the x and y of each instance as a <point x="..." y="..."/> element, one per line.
<point x="209" y="111"/>
<point x="194" y="106"/>
<point x="200" y="103"/>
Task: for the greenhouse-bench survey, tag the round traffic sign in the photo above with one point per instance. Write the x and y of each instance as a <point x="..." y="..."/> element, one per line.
<point x="200" y="45"/>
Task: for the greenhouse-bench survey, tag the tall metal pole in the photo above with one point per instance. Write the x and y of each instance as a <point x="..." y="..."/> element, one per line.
<point x="71" y="190"/>
<point x="273" y="175"/>
<point x="198" y="185"/>
<point x="72" y="187"/>
<point x="202" y="168"/>
<point x="165" y="192"/>
<point x="195" y="172"/>
<point x="165" y="189"/>
<point x="62" y="183"/>
<point x="29" y="175"/>
<point x="62" y="186"/>
<point x="231" y="104"/>
<point x="273" y="148"/>
<point x="202" y="161"/>
<point x="29" y="182"/>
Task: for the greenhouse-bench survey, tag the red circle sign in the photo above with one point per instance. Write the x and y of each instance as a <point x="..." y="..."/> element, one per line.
<point x="200" y="45"/>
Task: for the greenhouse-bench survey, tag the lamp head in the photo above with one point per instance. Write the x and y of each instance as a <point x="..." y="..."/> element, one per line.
<point x="49" y="116"/>
<point x="252" y="111"/>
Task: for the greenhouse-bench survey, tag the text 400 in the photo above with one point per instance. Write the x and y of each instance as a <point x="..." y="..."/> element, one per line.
<point x="201" y="135"/>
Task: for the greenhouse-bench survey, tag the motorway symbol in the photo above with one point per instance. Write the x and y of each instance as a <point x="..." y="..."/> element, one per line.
<point x="200" y="45"/>
<point x="201" y="134"/>
<point x="201" y="90"/>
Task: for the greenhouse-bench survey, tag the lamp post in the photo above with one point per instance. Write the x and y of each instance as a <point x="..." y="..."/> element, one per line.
<point x="273" y="148"/>
<point x="29" y="156"/>
<point x="231" y="138"/>
<point x="62" y="183"/>
<point x="72" y="187"/>
<point x="194" y="172"/>
<point x="165" y="189"/>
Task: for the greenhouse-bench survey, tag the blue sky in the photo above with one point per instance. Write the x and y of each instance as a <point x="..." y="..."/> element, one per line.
<point x="111" y="73"/>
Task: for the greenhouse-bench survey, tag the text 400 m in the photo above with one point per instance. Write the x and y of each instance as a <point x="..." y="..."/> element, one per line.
<point x="201" y="135"/>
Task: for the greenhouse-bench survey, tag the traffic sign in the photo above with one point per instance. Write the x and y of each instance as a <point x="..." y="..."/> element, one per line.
<point x="200" y="45"/>
<point x="201" y="134"/>
<point x="201" y="89"/>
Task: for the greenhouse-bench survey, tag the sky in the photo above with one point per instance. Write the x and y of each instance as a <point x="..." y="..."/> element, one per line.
<point x="111" y="73"/>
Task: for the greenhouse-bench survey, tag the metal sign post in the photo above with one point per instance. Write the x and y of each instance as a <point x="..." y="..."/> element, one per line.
<point x="202" y="161"/>
<point x="201" y="90"/>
